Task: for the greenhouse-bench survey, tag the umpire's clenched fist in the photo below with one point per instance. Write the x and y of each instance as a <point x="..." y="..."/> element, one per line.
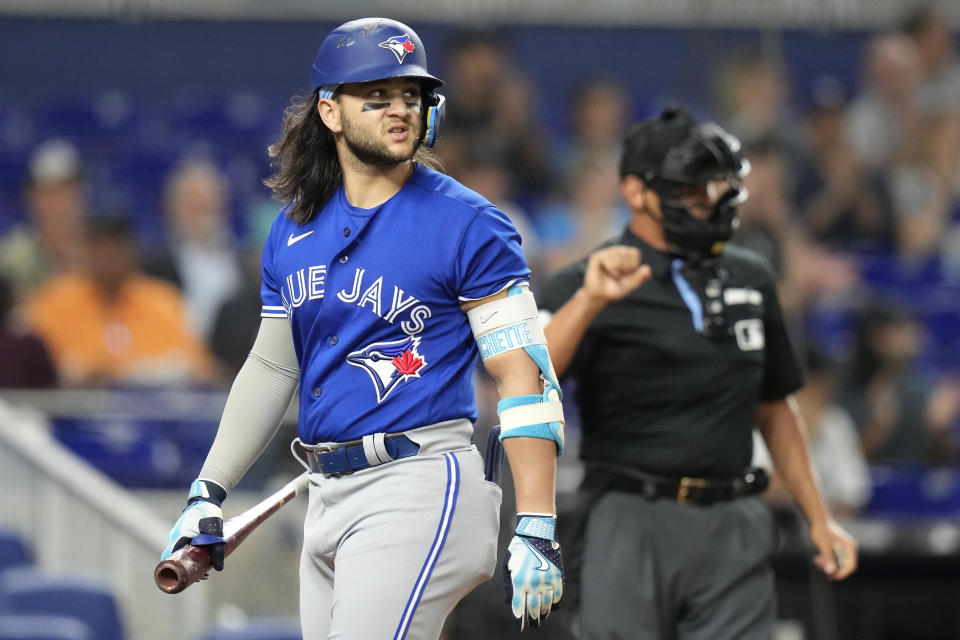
<point x="613" y="272"/>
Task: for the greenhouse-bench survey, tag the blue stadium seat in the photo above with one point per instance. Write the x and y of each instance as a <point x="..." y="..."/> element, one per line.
<point x="97" y="122"/>
<point x="139" y="452"/>
<point x="13" y="169"/>
<point x="221" y="125"/>
<point x="31" y="591"/>
<point x="943" y="323"/>
<point x="889" y="274"/>
<point x="40" y="627"/>
<point x="260" y="629"/>
<point x="14" y="551"/>
<point x="211" y="114"/>
<point x="832" y="327"/>
<point x="17" y="134"/>
<point x="910" y="492"/>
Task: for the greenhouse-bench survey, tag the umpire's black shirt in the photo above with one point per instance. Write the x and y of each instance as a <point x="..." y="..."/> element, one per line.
<point x="655" y="395"/>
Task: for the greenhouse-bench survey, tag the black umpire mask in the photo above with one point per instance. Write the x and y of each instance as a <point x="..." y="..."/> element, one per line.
<point x="674" y="153"/>
<point x="690" y="237"/>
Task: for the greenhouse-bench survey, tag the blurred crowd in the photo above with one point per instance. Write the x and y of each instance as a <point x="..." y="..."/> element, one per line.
<point x="854" y="198"/>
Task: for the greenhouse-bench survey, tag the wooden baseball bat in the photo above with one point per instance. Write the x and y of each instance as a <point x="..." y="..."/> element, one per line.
<point x="188" y="564"/>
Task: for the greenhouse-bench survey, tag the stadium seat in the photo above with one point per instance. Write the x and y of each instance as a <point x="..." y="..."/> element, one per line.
<point x="40" y="627"/>
<point x="13" y="550"/>
<point x="139" y="453"/>
<point x="910" y="492"/>
<point x="890" y="274"/>
<point x="831" y="327"/>
<point x="31" y="591"/>
<point x="260" y="629"/>
<point x="204" y="113"/>
<point x="97" y="122"/>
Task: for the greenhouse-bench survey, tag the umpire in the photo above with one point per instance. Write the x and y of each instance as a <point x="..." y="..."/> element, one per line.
<point x="672" y="376"/>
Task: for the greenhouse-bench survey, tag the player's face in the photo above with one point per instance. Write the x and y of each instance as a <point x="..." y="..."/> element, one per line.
<point x="381" y="120"/>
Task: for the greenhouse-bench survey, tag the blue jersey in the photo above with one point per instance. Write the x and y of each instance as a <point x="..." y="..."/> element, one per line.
<point x="373" y="298"/>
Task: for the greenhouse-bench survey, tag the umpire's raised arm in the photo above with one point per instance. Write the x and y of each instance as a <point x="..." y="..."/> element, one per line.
<point x="611" y="273"/>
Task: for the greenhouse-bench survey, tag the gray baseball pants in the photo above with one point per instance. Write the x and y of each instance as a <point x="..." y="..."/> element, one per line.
<point x="389" y="551"/>
<point x="659" y="570"/>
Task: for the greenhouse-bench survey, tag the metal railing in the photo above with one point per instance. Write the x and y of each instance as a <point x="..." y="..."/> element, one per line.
<point x="77" y="519"/>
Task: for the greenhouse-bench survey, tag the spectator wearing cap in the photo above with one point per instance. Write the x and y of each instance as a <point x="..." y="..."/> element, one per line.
<point x="107" y="323"/>
<point x="55" y="198"/>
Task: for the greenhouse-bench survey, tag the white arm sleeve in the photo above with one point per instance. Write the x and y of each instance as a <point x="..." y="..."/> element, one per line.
<point x="257" y="402"/>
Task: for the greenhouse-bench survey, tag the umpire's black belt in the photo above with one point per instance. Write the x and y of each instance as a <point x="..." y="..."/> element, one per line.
<point x="346" y="457"/>
<point x="685" y="490"/>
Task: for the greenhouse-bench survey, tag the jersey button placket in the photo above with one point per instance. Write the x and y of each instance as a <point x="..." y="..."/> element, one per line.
<point x="317" y="391"/>
<point x="333" y="340"/>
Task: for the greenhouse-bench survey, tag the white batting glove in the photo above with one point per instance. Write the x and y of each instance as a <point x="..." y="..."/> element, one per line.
<point x="533" y="570"/>
<point x="201" y="523"/>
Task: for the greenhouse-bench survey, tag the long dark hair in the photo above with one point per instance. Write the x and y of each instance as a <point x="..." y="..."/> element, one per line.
<point x="306" y="168"/>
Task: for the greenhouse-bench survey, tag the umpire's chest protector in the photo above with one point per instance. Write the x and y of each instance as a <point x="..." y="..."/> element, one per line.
<point x="373" y="299"/>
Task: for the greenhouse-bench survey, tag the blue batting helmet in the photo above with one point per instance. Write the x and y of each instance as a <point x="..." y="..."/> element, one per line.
<point x="373" y="49"/>
<point x="370" y="49"/>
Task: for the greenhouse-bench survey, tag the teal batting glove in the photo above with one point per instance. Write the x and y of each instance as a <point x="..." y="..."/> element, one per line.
<point x="201" y="523"/>
<point x="533" y="570"/>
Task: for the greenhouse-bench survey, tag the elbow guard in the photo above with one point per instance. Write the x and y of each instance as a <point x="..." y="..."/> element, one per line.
<point x="512" y="323"/>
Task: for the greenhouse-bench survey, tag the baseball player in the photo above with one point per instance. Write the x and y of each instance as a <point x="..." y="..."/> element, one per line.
<point x="679" y="349"/>
<point x="383" y="280"/>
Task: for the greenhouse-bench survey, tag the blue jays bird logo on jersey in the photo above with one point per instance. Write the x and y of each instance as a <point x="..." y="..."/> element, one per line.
<point x="389" y="363"/>
<point x="399" y="45"/>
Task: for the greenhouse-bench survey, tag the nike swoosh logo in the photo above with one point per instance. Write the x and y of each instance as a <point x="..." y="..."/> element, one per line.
<point x="294" y="239"/>
<point x="483" y="319"/>
<point x="544" y="563"/>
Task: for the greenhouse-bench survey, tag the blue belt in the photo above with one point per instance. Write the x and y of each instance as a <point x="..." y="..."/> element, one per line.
<point x="347" y="457"/>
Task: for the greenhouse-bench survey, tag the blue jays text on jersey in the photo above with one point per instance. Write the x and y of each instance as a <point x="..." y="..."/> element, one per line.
<point x="373" y="299"/>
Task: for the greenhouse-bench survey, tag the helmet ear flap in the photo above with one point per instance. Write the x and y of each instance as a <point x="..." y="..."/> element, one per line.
<point x="433" y="117"/>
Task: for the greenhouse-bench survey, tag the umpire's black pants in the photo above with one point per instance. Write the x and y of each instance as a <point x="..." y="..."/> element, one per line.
<point x="659" y="570"/>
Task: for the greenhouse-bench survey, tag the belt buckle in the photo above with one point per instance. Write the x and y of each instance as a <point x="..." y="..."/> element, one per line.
<point x="328" y="448"/>
<point x="315" y="455"/>
<point x="686" y="485"/>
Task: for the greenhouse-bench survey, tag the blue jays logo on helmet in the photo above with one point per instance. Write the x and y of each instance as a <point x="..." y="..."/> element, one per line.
<point x="389" y="363"/>
<point x="354" y="52"/>
<point x="400" y="46"/>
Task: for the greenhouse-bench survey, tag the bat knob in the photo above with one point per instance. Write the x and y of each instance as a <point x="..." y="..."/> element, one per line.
<point x="169" y="579"/>
<point x="182" y="568"/>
